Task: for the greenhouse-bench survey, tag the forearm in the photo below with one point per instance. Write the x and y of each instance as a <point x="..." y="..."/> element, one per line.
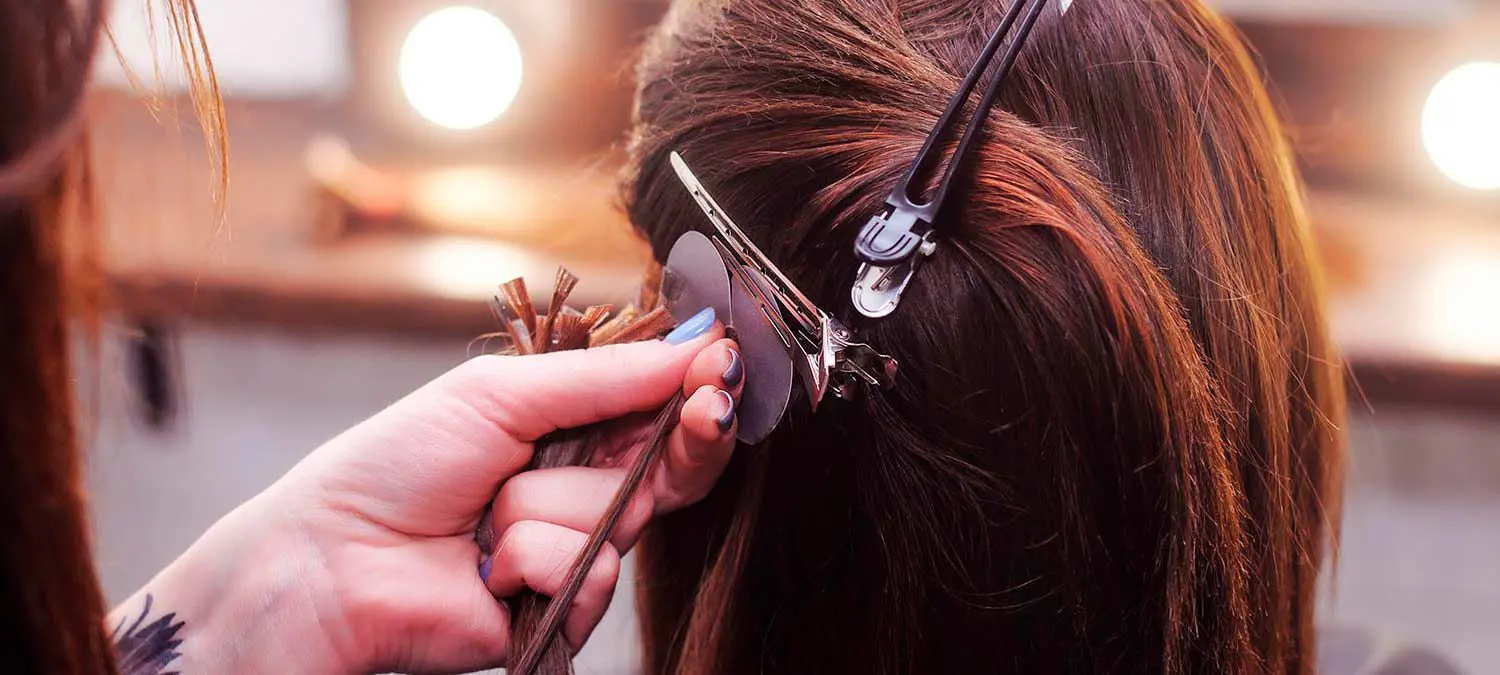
<point x="233" y="603"/>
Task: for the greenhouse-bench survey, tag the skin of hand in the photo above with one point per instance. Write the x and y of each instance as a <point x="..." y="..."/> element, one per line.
<point x="363" y="558"/>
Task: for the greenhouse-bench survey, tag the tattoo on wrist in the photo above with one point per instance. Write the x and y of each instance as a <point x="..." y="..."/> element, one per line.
<point x="148" y="648"/>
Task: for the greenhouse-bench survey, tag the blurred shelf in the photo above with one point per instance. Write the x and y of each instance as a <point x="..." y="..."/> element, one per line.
<point x="1414" y="298"/>
<point x="269" y="263"/>
<point x="1414" y="289"/>
<point x="421" y="285"/>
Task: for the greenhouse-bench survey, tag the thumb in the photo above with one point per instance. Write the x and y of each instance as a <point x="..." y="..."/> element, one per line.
<point x="449" y="444"/>
<point x="527" y="397"/>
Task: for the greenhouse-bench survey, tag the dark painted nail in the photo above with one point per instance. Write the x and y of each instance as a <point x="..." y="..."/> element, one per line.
<point x="484" y="569"/>
<point x="726" y="418"/>
<point x="735" y="371"/>
<point x="692" y="328"/>
<point x="485" y="537"/>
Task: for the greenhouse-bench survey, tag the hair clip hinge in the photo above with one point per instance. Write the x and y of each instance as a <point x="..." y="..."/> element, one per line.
<point x="878" y="287"/>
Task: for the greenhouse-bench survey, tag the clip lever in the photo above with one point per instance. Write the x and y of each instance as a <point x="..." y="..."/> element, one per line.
<point x="890" y="247"/>
<point x="892" y="244"/>
<point x="823" y="351"/>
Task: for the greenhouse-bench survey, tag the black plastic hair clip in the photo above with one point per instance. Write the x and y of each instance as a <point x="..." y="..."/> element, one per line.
<point x="893" y="243"/>
<point x="779" y="330"/>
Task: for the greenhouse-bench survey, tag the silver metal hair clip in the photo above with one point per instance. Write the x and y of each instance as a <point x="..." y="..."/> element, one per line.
<point x="892" y="244"/>
<point x="822" y="351"/>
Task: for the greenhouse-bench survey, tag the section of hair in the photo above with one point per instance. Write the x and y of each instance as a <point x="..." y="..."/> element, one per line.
<point x="538" y="619"/>
<point x="540" y="652"/>
<point x="55" y="616"/>
<point x="1114" y="444"/>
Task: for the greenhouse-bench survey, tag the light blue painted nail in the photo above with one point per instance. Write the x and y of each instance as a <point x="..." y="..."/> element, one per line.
<point x="692" y="328"/>
<point x="484" y="568"/>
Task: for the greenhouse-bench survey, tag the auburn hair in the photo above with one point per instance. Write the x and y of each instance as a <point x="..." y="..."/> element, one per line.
<point x="1114" y="444"/>
<point x="52" y="612"/>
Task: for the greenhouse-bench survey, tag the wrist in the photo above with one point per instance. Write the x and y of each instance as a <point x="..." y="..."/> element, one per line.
<point x="248" y="597"/>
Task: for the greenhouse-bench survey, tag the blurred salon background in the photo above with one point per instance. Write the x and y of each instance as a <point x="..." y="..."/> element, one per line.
<point x="393" y="161"/>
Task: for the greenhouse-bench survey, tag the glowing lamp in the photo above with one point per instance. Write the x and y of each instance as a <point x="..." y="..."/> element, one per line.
<point x="460" y="67"/>
<point x="1461" y="125"/>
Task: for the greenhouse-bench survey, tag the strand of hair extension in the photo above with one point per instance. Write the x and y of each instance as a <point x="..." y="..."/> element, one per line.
<point x="518" y="298"/>
<point x="540" y="642"/>
<point x="563" y="287"/>
<point x="536" y="620"/>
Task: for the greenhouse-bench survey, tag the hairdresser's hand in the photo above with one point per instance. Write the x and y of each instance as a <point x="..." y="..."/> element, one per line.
<point x="363" y="558"/>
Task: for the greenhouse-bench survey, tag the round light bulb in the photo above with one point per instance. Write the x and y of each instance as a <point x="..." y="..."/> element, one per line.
<point x="460" y="67"/>
<point x="1461" y="125"/>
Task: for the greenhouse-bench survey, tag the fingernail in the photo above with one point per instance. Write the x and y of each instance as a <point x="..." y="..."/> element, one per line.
<point x="735" y="371"/>
<point x="726" y="418"/>
<point x="484" y="569"/>
<point x="692" y="328"/>
<point x="485" y="537"/>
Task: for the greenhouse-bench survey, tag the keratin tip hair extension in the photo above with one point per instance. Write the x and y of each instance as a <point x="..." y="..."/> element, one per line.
<point x="538" y="619"/>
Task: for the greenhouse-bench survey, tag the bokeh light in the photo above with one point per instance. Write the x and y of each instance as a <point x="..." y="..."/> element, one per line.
<point x="460" y="67"/>
<point x="1461" y="319"/>
<point x="1461" y="125"/>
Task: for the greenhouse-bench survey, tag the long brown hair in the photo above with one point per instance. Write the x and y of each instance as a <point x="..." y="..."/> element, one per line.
<point x="1115" y="442"/>
<point x="52" y="613"/>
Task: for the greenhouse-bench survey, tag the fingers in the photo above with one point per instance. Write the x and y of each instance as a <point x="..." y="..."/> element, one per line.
<point x="695" y="456"/>
<point x="537" y="556"/>
<point x="427" y="464"/>
<point x="573" y="497"/>
<point x="532" y="395"/>
<point x="718" y="365"/>
<point x="700" y="447"/>
<point x="697" y="450"/>
<point x="541" y="516"/>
